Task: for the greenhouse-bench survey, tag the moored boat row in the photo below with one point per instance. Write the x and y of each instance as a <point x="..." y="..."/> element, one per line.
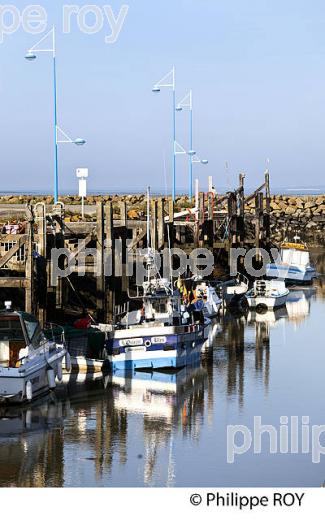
<point x="169" y="329"/>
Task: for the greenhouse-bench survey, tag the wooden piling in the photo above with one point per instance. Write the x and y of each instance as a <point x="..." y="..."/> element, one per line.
<point x="99" y="269"/>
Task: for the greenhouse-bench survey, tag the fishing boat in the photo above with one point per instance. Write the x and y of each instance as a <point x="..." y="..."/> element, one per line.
<point x="29" y="362"/>
<point x="164" y="333"/>
<point x="233" y="291"/>
<point x="268" y="294"/>
<point x="293" y="264"/>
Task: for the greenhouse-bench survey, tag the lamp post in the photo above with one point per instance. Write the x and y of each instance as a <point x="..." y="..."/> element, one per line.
<point x="193" y="158"/>
<point x="168" y="81"/>
<point x="31" y="56"/>
<point x="187" y="102"/>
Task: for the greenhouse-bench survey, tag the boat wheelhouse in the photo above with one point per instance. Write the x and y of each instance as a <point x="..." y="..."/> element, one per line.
<point x="293" y="264"/>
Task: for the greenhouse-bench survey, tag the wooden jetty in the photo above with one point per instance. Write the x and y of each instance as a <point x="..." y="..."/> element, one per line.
<point x="219" y="223"/>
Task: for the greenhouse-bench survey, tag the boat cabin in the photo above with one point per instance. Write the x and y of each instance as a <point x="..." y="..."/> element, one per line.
<point x="269" y="288"/>
<point x="294" y="254"/>
<point x="19" y="332"/>
<point x="161" y="307"/>
<point x="160" y="302"/>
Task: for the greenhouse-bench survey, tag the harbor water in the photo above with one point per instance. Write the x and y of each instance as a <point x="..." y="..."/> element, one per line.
<point x="172" y="429"/>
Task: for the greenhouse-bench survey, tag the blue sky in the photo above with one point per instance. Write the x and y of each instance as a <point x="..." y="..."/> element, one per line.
<point x="257" y="70"/>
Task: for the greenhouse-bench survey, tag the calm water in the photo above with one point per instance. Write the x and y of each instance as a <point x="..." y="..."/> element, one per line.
<point x="171" y="430"/>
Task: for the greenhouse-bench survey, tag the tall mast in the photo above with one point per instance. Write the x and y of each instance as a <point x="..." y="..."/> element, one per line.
<point x="148" y="235"/>
<point x="148" y="218"/>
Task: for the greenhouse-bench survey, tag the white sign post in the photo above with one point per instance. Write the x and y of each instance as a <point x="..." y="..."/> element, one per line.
<point x="82" y="175"/>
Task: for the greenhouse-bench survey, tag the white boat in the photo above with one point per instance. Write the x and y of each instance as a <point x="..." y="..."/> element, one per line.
<point x="293" y="264"/>
<point x="268" y="294"/>
<point x="234" y="290"/>
<point x="208" y="295"/>
<point x="29" y="363"/>
<point x="200" y="293"/>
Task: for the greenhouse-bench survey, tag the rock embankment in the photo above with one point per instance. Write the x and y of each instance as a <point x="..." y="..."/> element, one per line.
<point x="307" y="212"/>
<point x="295" y="207"/>
<point x="290" y="216"/>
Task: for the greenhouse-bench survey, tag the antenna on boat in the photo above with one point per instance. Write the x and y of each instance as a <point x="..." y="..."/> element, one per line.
<point x="148" y="218"/>
<point x="149" y="255"/>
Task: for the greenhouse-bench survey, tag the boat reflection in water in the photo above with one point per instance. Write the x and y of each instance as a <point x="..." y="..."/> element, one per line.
<point x="74" y="437"/>
<point x="156" y="394"/>
<point x="271" y="317"/>
<point x="31" y="443"/>
<point x="297" y="309"/>
<point x="298" y="304"/>
<point x="168" y="403"/>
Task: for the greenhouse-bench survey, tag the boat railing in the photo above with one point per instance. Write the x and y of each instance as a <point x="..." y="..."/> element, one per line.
<point x="55" y="333"/>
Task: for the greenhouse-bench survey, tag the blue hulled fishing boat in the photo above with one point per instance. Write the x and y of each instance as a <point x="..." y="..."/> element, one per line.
<point x="162" y="334"/>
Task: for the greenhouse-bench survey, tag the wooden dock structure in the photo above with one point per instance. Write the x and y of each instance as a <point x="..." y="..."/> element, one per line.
<point x="218" y="224"/>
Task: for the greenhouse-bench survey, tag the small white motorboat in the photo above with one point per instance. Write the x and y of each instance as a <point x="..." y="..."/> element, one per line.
<point x="268" y="294"/>
<point x="293" y="264"/>
<point x="29" y="362"/>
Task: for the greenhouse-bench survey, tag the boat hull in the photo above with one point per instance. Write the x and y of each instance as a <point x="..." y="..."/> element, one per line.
<point x="158" y="348"/>
<point x="292" y="274"/>
<point x="13" y="381"/>
<point x="269" y="302"/>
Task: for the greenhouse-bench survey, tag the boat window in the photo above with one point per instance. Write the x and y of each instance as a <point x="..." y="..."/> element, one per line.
<point x="160" y="307"/>
<point x="31" y="328"/>
<point x="10" y="329"/>
<point x="305" y="260"/>
<point x="287" y="256"/>
<point x="12" y="341"/>
<point x="34" y="330"/>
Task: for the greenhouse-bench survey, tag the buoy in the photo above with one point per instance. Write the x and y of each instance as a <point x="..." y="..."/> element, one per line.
<point x="29" y="390"/>
<point x="51" y="378"/>
<point x="68" y="362"/>
<point x="59" y="371"/>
